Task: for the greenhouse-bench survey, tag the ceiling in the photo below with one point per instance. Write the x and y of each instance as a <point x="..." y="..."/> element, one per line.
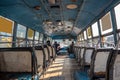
<point x="56" y="18"/>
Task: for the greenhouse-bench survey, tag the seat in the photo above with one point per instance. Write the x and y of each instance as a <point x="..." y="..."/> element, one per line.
<point x="87" y="57"/>
<point x="113" y="72"/>
<point x="80" y="55"/>
<point x="54" y="54"/>
<point x="47" y="56"/>
<point x="98" y="66"/>
<point x="78" y="50"/>
<point x="40" y="55"/>
<point x="50" y="52"/>
<point x="17" y="63"/>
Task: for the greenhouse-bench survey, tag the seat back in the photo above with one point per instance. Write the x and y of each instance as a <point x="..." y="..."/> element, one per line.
<point x="40" y="55"/>
<point x="54" y="54"/>
<point x="78" y="51"/>
<point x="47" y="55"/>
<point x="114" y="66"/>
<point x="99" y="62"/>
<point x="50" y="51"/>
<point x="82" y="52"/>
<point x="88" y="56"/>
<point x="17" y="60"/>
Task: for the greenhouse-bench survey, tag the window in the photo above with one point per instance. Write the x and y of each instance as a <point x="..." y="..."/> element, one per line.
<point x="106" y="24"/>
<point x="95" y="29"/>
<point x="21" y="33"/>
<point x="82" y="36"/>
<point x="89" y="34"/>
<point x="108" y="41"/>
<point x="30" y="37"/>
<point x="85" y="36"/>
<point x="6" y="32"/>
<point x="117" y="14"/>
<point x="30" y="34"/>
<point x="36" y="35"/>
<point x="41" y="37"/>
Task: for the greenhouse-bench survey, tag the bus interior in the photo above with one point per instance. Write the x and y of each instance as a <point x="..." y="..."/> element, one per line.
<point x="59" y="39"/>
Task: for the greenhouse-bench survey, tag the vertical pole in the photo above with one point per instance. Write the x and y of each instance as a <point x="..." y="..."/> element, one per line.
<point x="91" y="34"/>
<point x="39" y="38"/>
<point x="99" y="30"/>
<point x="33" y="42"/>
<point x="14" y="35"/>
<point x="114" y="25"/>
<point x="26" y="37"/>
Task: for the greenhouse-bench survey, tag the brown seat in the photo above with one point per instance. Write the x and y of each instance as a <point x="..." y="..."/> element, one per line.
<point x="87" y="57"/>
<point x="17" y="60"/>
<point x="40" y="55"/>
<point x="113" y="72"/>
<point x="99" y="63"/>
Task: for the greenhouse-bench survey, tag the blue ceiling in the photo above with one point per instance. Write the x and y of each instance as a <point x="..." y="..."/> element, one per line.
<point x="33" y="14"/>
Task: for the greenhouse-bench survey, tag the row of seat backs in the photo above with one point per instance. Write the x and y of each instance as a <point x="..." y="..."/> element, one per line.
<point x="17" y="60"/>
<point x="49" y="52"/>
<point x="113" y="68"/>
<point x="98" y="59"/>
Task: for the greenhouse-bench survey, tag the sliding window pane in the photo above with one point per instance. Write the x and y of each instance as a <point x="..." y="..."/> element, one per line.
<point x="36" y="35"/>
<point x="89" y="34"/>
<point x="117" y="14"/>
<point x="85" y="35"/>
<point x="106" y="24"/>
<point x="30" y="34"/>
<point x="21" y="31"/>
<point x="95" y="29"/>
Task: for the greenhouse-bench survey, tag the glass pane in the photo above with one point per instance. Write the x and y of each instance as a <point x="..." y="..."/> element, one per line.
<point x="5" y="39"/>
<point x="108" y="41"/>
<point x="21" y="31"/>
<point x="82" y="37"/>
<point x="21" y="43"/>
<point x="5" y="45"/>
<point x="6" y="26"/>
<point x="95" y="29"/>
<point x="106" y="24"/>
<point x="117" y="14"/>
<point x="90" y="43"/>
<point x="41" y="37"/>
<point x="30" y="34"/>
<point x="89" y="34"/>
<point x="95" y="42"/>
<point x="85" y="35"/>
<point x="36" y="35"/>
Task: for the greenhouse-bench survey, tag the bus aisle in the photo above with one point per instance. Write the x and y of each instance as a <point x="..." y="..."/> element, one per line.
<point x="62" y="69"/>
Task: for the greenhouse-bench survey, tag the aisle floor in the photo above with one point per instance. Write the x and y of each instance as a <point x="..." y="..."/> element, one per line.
<point x="62" y="69"/>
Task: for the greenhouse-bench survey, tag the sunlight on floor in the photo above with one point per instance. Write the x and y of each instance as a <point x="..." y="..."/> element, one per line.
<point x="54" y="70"/>
<point x="63" y="68"/>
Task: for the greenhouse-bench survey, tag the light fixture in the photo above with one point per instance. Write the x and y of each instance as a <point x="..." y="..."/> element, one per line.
<point x="71" y="6"/>
<point x="37" y="7"/>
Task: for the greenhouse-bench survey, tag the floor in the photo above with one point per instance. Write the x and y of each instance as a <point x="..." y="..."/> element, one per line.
<point x="63" y="68"/>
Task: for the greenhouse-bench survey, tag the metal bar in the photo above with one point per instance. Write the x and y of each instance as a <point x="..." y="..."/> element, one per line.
<point x="14" y="34"/>
<point x="114" y="25"/>
<point x="99" y="30"/>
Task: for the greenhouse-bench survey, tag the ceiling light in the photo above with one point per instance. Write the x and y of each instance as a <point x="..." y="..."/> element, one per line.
<point x="71" y="6"/>
<point x="37" y="7"/>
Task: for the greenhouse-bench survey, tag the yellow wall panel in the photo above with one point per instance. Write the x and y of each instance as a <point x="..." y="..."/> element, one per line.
<point x="6" y="25"/>
<point x="30" y="33"/>
<point x="89" y="32"/>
